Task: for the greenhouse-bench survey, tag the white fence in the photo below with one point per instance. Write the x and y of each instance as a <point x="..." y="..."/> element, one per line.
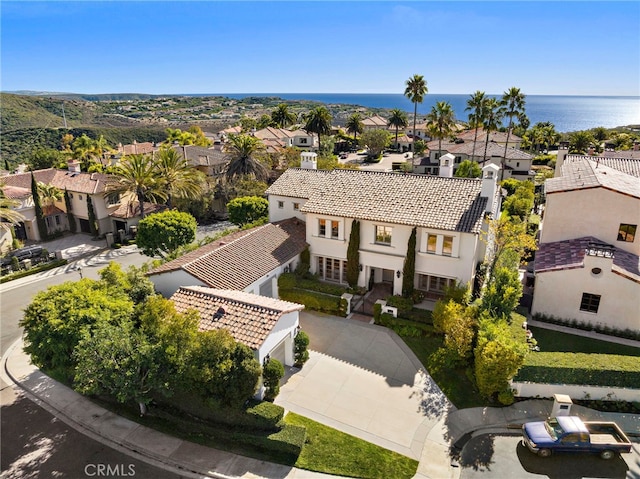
<point x="574" y="391"/>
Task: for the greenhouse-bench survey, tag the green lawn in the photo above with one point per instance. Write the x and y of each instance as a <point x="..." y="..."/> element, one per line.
<point x="554" y="341"/>
<point x="335" y="452"/>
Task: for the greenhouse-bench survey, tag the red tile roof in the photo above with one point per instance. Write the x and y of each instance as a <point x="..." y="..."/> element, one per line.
<point x="88" y="183"/>
<point x="249" y="318"/>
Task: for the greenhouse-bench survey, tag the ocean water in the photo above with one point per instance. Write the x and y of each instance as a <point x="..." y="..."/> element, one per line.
<point x="567" y="113"/>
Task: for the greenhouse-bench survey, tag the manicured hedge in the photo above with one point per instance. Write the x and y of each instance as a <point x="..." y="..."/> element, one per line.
<point x="581" y="368"/>
<point x="288" y="441"/>
<point x="293" y="281"/>
<point x="316" y="301"/>
<point x="404" y="327"/>
<point x="34" y="270"/>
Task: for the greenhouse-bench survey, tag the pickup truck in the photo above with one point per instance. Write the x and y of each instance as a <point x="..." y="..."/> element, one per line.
<point x="570" y="434"/>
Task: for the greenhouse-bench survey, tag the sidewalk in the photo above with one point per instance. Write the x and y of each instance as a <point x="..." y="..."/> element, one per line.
<point x="193" y="460"/>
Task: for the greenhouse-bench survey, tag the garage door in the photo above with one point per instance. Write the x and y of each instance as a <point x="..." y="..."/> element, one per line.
<point x="266" y="288"/>
<point x="278" y="352"/>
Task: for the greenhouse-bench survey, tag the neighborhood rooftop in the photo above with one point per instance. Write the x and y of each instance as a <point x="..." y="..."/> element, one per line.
<point x="248" y="317"/>
<point x="452" y="204"/>
<point x="89" y="183"/>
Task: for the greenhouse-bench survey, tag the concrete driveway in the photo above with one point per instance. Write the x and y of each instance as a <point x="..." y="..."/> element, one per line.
<point x="363" y="380"/>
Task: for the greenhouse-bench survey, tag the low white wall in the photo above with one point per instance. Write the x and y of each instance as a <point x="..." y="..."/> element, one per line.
<point x="575" y="391"/>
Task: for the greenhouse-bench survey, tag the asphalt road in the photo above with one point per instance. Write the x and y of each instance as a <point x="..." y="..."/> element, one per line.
<point x="34" y="443"/>
<point x="498" y="456"/>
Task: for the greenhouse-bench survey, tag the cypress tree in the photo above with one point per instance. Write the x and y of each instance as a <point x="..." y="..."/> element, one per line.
<point x="353" y="255"/>
<point x="409" y="270"/>
<point x="93" y="224"/>
<point x="71" y="219"/>
<point x="42" y="226"/>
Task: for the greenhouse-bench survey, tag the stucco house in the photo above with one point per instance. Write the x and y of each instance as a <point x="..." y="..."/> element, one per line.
<point x="249" y="261"/>
<point x="375" y="122"/>
<point x="448" y="214"/>
<point x="266" y="325"/>
<point x="587" y="265"/>
<point x="210" y="161"/>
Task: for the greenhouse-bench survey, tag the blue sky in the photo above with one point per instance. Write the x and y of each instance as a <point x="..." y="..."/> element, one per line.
<point x="572" y="48"/>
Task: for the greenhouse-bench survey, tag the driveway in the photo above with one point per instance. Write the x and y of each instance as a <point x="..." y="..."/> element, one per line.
<point x="363" y="380"/>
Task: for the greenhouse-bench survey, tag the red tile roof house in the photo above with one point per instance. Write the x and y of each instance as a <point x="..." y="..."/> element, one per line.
<point x="266" y="325"/>
<point x="248" y="261"/>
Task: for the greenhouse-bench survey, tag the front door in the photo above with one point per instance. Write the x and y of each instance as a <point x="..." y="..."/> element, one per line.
<point x="21" y="232"/>
<point x="387" y="276"/>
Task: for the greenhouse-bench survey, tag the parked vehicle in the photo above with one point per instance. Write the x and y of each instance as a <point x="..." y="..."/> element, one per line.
<point x="571" y="434"/>
<point x="28" y="252"/>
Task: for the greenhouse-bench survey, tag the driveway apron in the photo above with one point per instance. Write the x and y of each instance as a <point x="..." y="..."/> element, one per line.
<point x="363" y="380"/>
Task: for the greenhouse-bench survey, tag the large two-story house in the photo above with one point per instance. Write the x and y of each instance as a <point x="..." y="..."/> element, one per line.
<point x="587" y="267"/>
<point x="447" y="213"/>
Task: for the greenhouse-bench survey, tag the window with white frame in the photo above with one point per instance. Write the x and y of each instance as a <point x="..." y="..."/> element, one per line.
<point x="383" y="234"/>
<point x="335" y="229"/>
<point x="322" y="227"/>
<point x="590" y="302"/>
<point x="280" y="204"/>
<point x="434" y="284"/>
<point x="296" y="206"/>
<point x="432" y="243"/>
<point x="303" y="141"/>
<point x="447" y="245"/>
<point x="331" y="269"/>
<point x="627" y="233"/>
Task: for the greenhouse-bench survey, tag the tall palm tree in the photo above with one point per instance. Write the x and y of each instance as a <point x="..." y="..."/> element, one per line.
<point x="7" y="214"/>
<point x="138" y="175"/>
<point x="354" y="125"/>
<point x="282" y="117"/>
<point x="513" y="107"/>
<point x="440" y="122"/>
<point x="398" y="119"/>
<point x="318" y="121"/>
<point x="478" y="106"/>
<point x="180" y="179"/>
<point x="49" y="194"/>
<point x="491" y="121"/>
<point x="242" y="151"/>
<point x="416" y="89"/>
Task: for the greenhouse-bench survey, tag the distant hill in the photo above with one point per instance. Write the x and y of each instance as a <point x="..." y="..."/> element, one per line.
<point x="88" y="96"/>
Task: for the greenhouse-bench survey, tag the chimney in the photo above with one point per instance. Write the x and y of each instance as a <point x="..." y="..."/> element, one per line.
<point x="636" y="146"/>
<point x="489" y="185"/>
<point x="446" y="165"/>
<point x="563" y="151"/>
<point x="73" y="166"/>
<point x="309" y="160"/>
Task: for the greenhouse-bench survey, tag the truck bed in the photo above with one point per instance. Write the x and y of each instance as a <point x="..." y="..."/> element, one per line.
<point x="606" y="433"/>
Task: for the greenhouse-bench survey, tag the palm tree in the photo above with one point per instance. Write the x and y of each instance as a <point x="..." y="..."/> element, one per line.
<point x="398" y="119"/>
<point x="242" y="150"/>
<point x="282" y="117"/>
<point x="180" y="179"/>
<point x="478" y="106"/>
<point x="7" y="213"/>
<point x="491" y="120"/>
<point x="318" y="121"/>
<point x="440" y="122"/>
<point x="49" y="194"/>
<point x="513" y="107"/>
<point x="416" y="89"/>
<point x="138" y="175"/>
<point x="354" y="125"/>
<point x="579" y="142"/>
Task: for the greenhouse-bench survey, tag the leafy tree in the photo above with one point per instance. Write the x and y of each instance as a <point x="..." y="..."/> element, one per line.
<point x="477" y="103"/>
<point x="599" y="133"/>
<point x="282" y="117"/>
<point x="492" y="119"/>
<point x="513" y="101"/>
<point x="302" y="269"/>
<point x="138" y="175"/>
<point x="242" y="150"/>
<point x="180" y="180"/>
<point x="398" y="119"/>
<point x="318" y="121"/>
<point x="440" y="122"/>
<point x="409" y="268"/>
<point x="505" y="235"/>
<point x="49" y="194"/>
<point x="458" y="323"/>
<point x="247" y="209"/>
<point x="193" y="136"/>
<point x="43" y="158"/>
<point x="497" y="357"/>
<point x="264" y="121"/>
<point x="416" y="89"/>
<point x="162" y="233"/>
<point x="56" y="318"/>
<point x="272" y="373"/>
<point x="353" y="255"/>
<point x="376" y="141"/>
<point x="301" y="346"/>
<point x="118" y="360"/>
<point x="502" y="294"/>
<point x="354" y="125"/>
<point x="579" y="142"/>
<point x="133" y="282"/>
<point x="71" y="219"/>
<point x="520" y="203"/>
<point x="40" y="223"/>
<point x="511" y="185"/>
<point x="468" y="169"/>
<point x="93" y="223"/>
<point x="419" y="146"/>
<point x="248" y="124"/>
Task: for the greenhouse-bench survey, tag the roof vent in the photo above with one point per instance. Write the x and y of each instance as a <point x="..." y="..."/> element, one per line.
<point x="218" y="314"/>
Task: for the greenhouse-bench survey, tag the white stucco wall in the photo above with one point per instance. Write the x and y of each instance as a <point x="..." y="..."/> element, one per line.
<point x="559" y="293"/>
<point x="287" y="211"/>
<point x="594" y="212"/>
<point x="285" y="329"/>
<point x="168" y="283"/>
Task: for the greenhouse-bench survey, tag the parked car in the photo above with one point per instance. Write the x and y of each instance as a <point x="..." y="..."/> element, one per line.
<point x="571" y="434"/>
<point x="28" y="252"/>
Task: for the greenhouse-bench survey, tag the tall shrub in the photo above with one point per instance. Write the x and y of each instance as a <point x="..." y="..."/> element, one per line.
<point x="272" y="373"/>
<point x="70" y="216"/>
<point x="305" y="262"/>
<point x="37" y="204"/>
<point x="353" y="255"/>
<point x="301" y="345"/>
<point x="409" y="270"/>
<point x="93" y="224"/>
